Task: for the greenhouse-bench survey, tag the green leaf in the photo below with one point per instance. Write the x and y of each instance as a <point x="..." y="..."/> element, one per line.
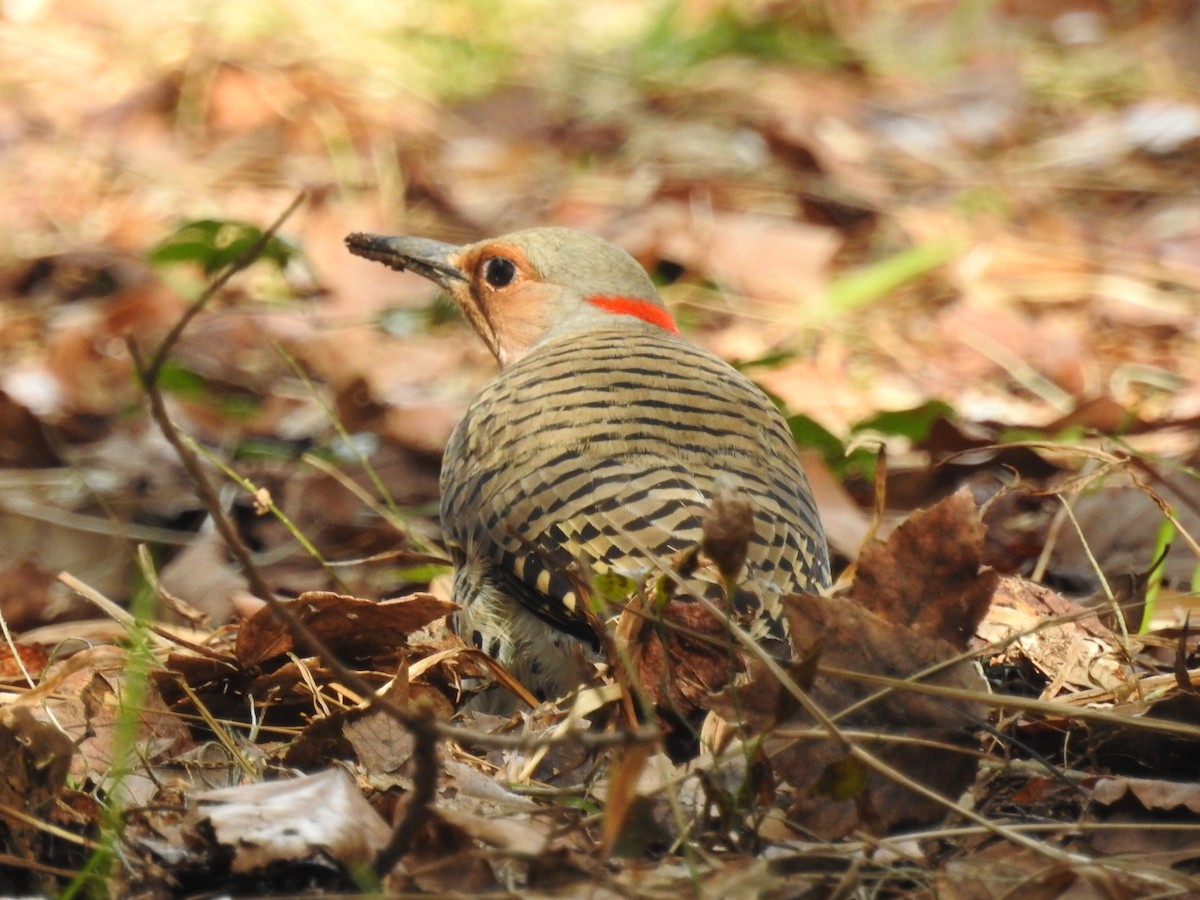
<point x="611" y="588"/>
<point x="1072" y="434"/>
<point x="239" y="405"/>
<point x="419" y="574"/>
<point x="729" y="30"/>
<point x="268" y="448"/>
<point x="914" y="424"/>
<point x="230" y="402"/>
<point x="807" y="432"/>
<point x="175" y="379"/>
<point x="213" y="244"/>
<point x="768" y="361"/>
<point x="400" y="321"/>
<point x="1162" y="543"/>
<point x="866" y="285"/>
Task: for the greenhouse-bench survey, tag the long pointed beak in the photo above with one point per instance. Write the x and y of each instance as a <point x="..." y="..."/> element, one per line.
<point x="429" y="259"/>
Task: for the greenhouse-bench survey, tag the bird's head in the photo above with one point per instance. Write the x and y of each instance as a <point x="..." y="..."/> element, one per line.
<point x="529" y="286"/>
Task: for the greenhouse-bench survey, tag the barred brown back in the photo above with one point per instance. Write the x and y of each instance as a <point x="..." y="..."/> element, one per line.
<point x="597" y="451"/>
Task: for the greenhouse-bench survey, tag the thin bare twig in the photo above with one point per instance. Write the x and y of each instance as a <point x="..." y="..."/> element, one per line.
<point x="209" y="497"/>
<point x="244" y="259"/>
<point x="416" y="813"/>
<point x="118" y="614"/>
<point x="825" y="722"/>
<point x="425" y="729"/>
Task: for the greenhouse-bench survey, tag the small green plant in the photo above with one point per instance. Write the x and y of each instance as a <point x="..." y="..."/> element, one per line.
<point x="215" y="243"/>
<point x="127" y="752"/>
<point x="866" y="285"/>
<point x="915" y="424"/>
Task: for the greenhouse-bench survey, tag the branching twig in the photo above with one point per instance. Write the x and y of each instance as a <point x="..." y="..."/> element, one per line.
<point x="425" y="729"/>
<point x="424" y="757"/>
<point x="245" y="258"/>
<point x="212" y="503"/>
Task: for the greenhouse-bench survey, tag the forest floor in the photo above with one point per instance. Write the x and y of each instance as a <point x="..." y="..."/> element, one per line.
<point x="958" y="242"/>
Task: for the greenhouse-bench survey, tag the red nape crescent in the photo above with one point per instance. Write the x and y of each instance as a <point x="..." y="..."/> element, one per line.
<point x="628" y="306"/>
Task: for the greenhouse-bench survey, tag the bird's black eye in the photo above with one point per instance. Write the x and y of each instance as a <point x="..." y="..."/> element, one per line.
<point x="499" y="271"/>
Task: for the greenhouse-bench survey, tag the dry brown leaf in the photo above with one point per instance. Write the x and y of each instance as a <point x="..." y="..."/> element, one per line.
<point x="846" y="525"/>
<point x="683" y="662"/>
<point x="35" y="760"/>
<point x="520" y="835"/>
<point x="24" y="445"/>
<point x="1120" y="525"/>
<point x="26" y="595"/>
<point x="1064" y="641"/>
<point x="382" y="744"/>
<point x="203" y="578"/>
<point x="84" y="370"/>
<point x="1075" y="281"/>
<point x="445" y="857"/>
<point x="909" y="603"/>
<point x="928" y="576"/>
<point x="348" y="626"/>
<point x="981" y="341"/>
<point x="997" y="871"/>
<point x="854" y="640"/>
<point x="1140" y="804"/>
<point x="1152" y="794"/>
<point x="767" y="258"/>
<point x="18" y="659"/>
<point x="85" y="697"/>
<point x="624" y="773"/>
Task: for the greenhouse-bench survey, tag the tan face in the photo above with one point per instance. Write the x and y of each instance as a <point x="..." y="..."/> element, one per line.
<point x="503" y="297"/>
<point x="520" y="288"/>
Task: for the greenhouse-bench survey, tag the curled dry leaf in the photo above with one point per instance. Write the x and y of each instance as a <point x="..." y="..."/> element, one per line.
<point x="928" y="576"/>
<point x="1140" y="803"/>
<point x="913" y="600"/>
<point x="292" y="821"/>
<point x="35" y="759"/>
<point x="87" y="697"/>
<point x="1149" y="793"/>
<point x="346" y="625"/>
<point x="1063" y="640"/>
<point x="728" y="528"/>
<point x="683" y="662"/>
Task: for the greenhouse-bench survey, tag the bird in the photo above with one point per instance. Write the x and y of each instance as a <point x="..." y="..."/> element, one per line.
<point x="598" y="449"/>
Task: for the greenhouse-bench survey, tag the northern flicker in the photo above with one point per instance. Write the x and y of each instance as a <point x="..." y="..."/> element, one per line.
<point x="598" y="448"/>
